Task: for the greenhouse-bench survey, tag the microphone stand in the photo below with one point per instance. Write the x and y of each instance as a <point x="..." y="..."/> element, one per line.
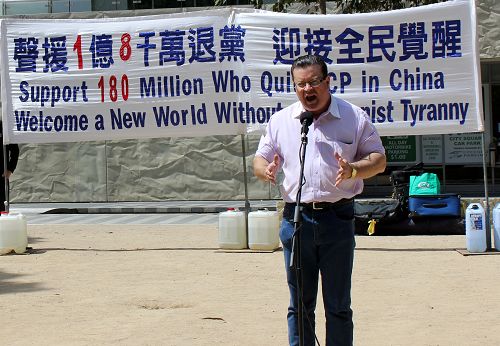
<point x="295" y="256"/>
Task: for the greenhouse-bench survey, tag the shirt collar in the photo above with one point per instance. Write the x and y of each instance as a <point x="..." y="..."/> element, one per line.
<point x="333" y="109"/>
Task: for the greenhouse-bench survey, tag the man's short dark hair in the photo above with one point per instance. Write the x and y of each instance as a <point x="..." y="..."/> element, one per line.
<point x="310" y="60"/>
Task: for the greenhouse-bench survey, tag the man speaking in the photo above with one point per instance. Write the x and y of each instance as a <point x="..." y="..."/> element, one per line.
<point x="344" y="149"/>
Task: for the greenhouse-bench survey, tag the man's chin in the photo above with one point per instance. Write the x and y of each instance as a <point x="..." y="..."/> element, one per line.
<point x="311" y="107"/>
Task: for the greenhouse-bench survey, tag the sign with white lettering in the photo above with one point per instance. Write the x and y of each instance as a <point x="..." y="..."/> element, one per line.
<point x="400" y="149"/>
<point x="413" y="71"/>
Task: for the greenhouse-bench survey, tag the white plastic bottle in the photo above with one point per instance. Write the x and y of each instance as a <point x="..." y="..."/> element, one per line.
<point x="232" y="229"/>
<point x="263" y="230"/>
<point x="496" y="226"/>
<point x="13" y="233"/>
<point x="475" y="228"/>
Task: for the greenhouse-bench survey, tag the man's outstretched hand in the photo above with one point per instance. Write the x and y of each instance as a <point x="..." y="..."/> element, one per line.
<point x="345" y="169"/>
<point x="272" y="168"/>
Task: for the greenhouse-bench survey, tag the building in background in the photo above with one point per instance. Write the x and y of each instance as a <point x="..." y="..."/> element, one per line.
<point x="17" y="7"/>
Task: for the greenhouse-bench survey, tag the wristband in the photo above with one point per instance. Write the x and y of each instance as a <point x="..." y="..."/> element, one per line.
<point x="354" y="172"/>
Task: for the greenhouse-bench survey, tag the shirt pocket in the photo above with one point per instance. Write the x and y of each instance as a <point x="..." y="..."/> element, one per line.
<point x="346" y="150"/>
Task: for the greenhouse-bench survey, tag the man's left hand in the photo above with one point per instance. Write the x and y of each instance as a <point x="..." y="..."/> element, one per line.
<point x="345" y="169"/>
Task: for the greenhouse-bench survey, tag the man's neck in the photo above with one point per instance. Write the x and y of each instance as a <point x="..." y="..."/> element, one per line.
<point x="323" y="110"/>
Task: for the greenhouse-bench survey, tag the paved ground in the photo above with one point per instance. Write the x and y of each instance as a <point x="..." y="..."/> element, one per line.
<point x="132" y="213"/>
<point x="123" y="219"/>
<point x="133" y="277"/>
<point x="171" y="285"/>
<point x="139" y="207"/>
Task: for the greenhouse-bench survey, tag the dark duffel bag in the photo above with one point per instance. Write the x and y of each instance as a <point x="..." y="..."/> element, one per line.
<point x="403" y="177"/>
<point x="382" y="212"/>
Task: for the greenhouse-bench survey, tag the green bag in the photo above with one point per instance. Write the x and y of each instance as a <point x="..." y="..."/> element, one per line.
<point x="425" y="184"/>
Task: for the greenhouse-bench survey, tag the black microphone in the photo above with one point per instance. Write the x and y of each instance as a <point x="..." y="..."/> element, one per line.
<point x="306" y="119"/>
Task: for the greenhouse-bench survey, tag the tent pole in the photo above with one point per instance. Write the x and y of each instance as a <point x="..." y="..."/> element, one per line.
<point x="5" y="202"/>
<point x="247" y="202"/>
<point x="487" y="207"/>
<point x="443" y="161"/>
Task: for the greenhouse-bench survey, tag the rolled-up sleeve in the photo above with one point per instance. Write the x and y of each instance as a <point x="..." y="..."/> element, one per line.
<point x="370" y="141"/>
<point x="266" y="147"/>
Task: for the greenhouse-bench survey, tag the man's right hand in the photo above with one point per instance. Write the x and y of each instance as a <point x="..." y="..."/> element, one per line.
<point x="272" y="168"/>
<point x="265" y="170"/>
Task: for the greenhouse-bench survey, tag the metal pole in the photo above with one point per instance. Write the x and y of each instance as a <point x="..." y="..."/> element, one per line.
<point x="493" y="180"/>
<point x="443" y="162"/>
<point x="6" y="184"/>
<point x="6" y="202"/>
<point x="492" y="151"/>
<point x="247" y="202"/>
<point x="106" y="169"/>
<point x="487" y="207"/>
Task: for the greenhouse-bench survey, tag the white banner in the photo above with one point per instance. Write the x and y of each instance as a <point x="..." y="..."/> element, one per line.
<point x="414" y="71"/>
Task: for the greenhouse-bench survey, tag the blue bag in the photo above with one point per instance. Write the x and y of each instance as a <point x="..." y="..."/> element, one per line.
<point x="438" y="205"/>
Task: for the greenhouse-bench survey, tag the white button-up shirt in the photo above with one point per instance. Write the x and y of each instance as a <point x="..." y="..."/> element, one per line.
<point x="343" y="128"/>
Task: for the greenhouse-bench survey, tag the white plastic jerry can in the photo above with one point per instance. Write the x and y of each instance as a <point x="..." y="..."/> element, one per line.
<point x="475" y="228"/>
<point x="232" y="229"/>
<point x="13" y="233"/>
<point x="263" y="230"/>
